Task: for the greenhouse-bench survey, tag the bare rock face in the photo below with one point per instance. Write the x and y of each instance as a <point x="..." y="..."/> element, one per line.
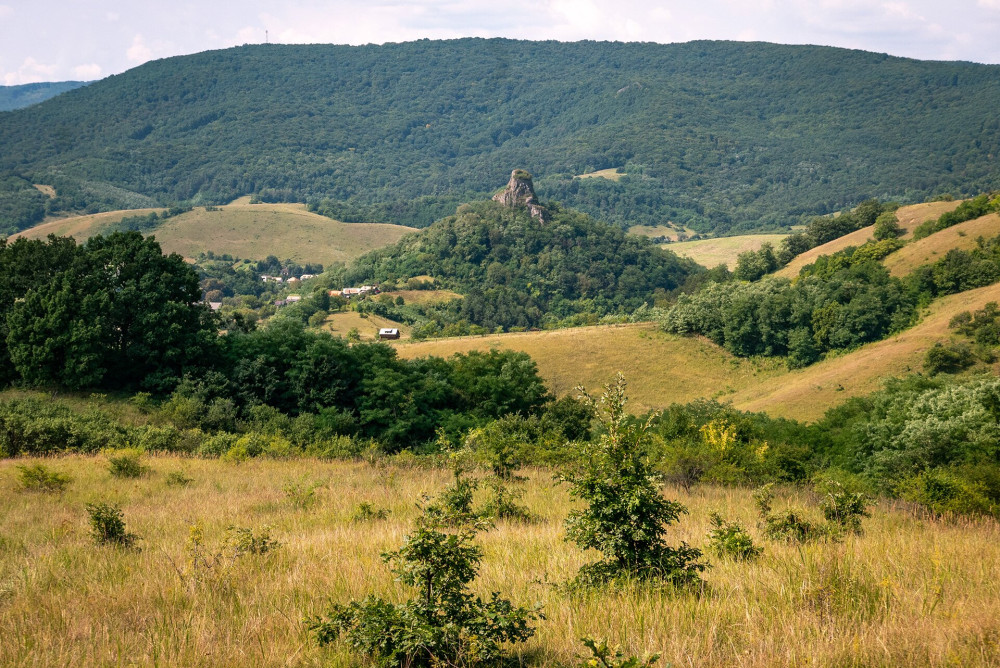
<point x="521" y="192"/>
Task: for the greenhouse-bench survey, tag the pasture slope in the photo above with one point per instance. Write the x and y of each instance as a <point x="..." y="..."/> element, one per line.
<point x="245" y="230"/>
<point x="663" y="368"/>
<point x="723" y="250"/>
<point x="909" y="218"/>
<point x="934" y="247"/>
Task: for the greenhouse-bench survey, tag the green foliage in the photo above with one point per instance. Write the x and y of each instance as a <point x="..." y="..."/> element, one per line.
<point x="40" y="478"/>
<point x="837" y="304"/>
<point x="302" y="494"/>
<point x="789" y="525"/>
<point x="179" y="479"/>
<point x="445" y="624"/>
<point x="501" y="504"/>
<point x="887" y="226"/>
<point x="731" y="541"/>
<point x="127" y="464"/>
<point x="968" y="210"/>
<point x="604" y="657"/>
<point x="950" y="358"/>
<point x="514" y="272"/>
<point x="107" y="525"/>
<point x="843" y="508"/>
<point x="246" y="540"/>
<point x="945" y="492"/>
<point x="453" y="506"/>
<point x="113" y="313"/>
<point x="625" y="516"/>
<point x="366" y="512"/>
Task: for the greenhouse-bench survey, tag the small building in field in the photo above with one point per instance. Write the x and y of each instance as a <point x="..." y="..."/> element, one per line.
<point x="388" y="333"/>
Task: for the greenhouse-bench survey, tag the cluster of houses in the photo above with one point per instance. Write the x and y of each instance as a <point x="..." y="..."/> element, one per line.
<point x="347" y="293"/>
<point x="291" y="279"/>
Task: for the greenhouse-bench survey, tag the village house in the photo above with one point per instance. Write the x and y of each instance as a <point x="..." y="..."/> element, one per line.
<point x="388" y="333"/>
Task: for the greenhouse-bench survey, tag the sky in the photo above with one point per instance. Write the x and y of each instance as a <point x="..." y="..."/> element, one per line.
<point x="58" y="40"/>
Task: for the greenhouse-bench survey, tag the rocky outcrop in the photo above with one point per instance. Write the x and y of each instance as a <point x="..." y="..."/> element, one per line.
<point x="521" y="192"/>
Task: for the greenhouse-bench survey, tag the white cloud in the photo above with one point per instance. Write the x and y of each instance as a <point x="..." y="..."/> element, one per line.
<point x="989" y="4"/>
<point x="112" y="16"/>
<point x="5" y="11"/>
<point x="139" y="53"/>
<point x="30" y="71"/>
<point x="87" y="72"/>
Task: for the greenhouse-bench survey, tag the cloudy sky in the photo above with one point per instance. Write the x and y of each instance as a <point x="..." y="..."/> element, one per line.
<point x="53" y="40"/>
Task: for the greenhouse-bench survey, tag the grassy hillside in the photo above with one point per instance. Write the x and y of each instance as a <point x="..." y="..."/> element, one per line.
<point x="718" y="136"/>
<point x="934" y="247"/>
<point x="724" y="250"/>
<point x="907" y="592"/>
<point x="246" y="230"/>
<point x="909" y="218"/>
<point x="662" y="368"/>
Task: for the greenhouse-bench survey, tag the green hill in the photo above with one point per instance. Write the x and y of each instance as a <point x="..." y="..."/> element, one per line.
<point x="25" y="95"/>
<point x="717" y="136"/>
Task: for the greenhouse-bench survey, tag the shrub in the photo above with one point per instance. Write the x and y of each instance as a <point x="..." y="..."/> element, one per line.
<point x="731" y="540"/>
<point x="626" y="515"/>
<point x="453" y="506"/>
<point x="605" y="657"/>
<point x="950" y="358"/>
<point x="179" y="479"/>
<point x="501" y="504"/>
<point x="943" y="492"/>
<point x="302" y="494"/>
<point x="244" y="540"/>
<point x="842" y="508"/>
<point x="445" y="625"/>
<point x="366" y="512"/>
<point x="127" y="464"/>
<point x="788" y="526"/>
<point x="40" y="478"/>
<point x="107" y="525"/>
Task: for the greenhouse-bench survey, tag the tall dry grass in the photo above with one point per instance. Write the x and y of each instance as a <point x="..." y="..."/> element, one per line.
<point x="911" y="591"/>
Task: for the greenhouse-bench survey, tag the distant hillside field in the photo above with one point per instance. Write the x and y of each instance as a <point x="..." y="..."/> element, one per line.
<point x="724" y="250"/>
<point x="661" y="368"/>
<point x="247" y="230"/>
<point x="721" y="137"/>
<point x="909" y="218"/>
<point x="934" y="247"/>
<point x="806" y="394"/>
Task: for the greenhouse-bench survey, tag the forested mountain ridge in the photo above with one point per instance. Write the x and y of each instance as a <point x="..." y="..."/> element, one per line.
<point x="715" y="135"/>
<point x="25" y="95"/>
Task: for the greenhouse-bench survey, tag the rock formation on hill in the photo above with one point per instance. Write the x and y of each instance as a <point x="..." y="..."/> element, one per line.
<point x="521" y="192"/>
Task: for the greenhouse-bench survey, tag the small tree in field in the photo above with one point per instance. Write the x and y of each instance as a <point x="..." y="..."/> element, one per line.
<point x="445" y="624"/>
<point x="626" y="515"/>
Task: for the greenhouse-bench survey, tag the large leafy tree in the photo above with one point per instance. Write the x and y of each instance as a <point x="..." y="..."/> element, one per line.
<point x="120" y="315"/>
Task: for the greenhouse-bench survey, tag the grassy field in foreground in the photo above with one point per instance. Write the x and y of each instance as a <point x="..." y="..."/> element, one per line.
<point x="912" y="591"/>
<point x="662" y="368"/>
<point x="724" y="250"/>
<point x="246" y="230"/>
<point x="909" y="218"/>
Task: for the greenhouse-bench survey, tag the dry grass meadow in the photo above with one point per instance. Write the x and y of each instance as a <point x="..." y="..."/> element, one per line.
<point x="663" y="368"/>
<point x="934" y="247"/>
<point x="909" y="218"/>
<point x="912" y="591"/>
<point x="245" y="230"/>
<point x="724" y="250"/>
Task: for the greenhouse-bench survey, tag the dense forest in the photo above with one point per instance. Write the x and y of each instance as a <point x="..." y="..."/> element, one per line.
<point x="719" y="136"/>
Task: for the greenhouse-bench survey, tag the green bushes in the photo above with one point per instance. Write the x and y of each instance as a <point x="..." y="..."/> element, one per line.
<point x="127" y="464"/>
<point x="445" y="624"/>
<point x="967" y="210"/>
<point x="107" y="525"/>
<point x="40" y="478"/>
<point x="731" y="540"/>
<point x="626" y="516"/>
